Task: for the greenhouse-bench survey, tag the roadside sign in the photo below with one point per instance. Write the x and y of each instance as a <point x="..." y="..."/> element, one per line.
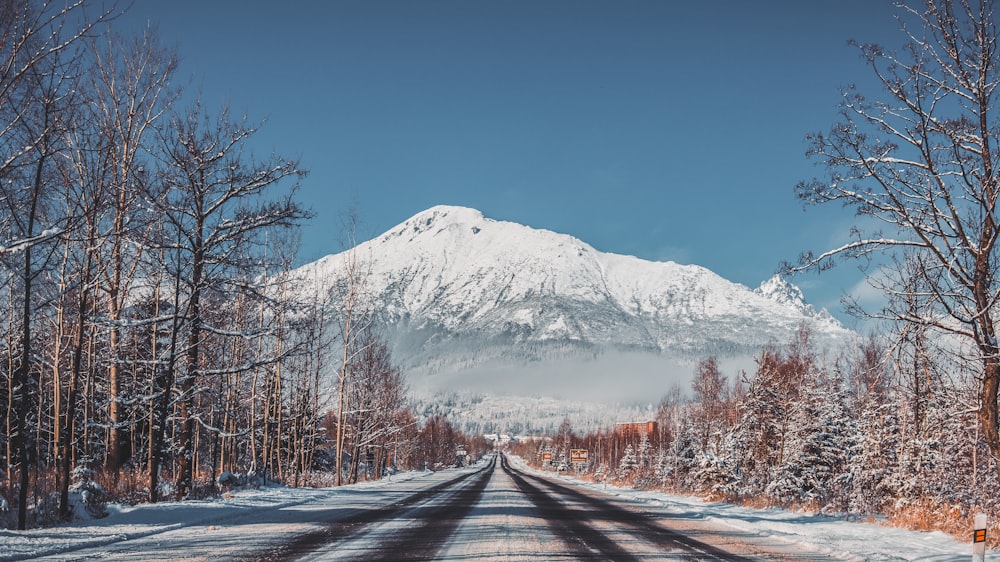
<point x="546" y="457"/>
<point x="578" y="456"/>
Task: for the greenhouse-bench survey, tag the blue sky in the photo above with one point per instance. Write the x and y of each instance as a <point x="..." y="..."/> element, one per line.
<point x="661" y="129"/>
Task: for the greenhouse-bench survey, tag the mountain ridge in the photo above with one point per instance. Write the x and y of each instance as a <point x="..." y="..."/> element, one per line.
<point x="455" y="290"/>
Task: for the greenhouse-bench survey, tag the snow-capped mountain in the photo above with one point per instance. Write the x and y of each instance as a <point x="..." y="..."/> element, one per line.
<point x="459" y="291"/>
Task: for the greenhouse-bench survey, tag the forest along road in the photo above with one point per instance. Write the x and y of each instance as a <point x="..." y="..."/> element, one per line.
<point x="501" y="513"/>
<point x="495" y="512"/>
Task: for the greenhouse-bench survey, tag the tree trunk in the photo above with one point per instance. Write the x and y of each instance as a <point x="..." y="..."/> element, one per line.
<point x="21" y="381"/>
<point x="162" y="392"/>
<point x="185" y="438"/>
<point x="988" y="409"/>
<point x="22" y="375"/>
<point x="66" y="443"/>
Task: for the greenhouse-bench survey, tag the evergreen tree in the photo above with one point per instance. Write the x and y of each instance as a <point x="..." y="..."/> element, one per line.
<point x="874" y="467"/>
<point x="628" y="463"/>
<point x="713" y="477"/>
<point x="661" y="466"/>
<point x="816" y="450"/>
<point x="644" y="452"/>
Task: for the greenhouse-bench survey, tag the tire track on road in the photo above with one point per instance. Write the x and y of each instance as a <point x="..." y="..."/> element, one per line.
<point x="587" y="542"/>
<point x="599" y="509"/>
<point x="437" y="524"/>
<point x="416" y="542"/>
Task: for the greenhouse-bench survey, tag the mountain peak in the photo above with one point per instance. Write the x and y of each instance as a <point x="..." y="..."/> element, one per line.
<point x="442" y="217"/>
<point x="439" y="219"/>
<point x="779" y="290"/>
<point x="449" y="214"/>
<point x="455" y="289"/>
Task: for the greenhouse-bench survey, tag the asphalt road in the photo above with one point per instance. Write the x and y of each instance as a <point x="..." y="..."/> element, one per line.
<point x="503" y="514"/>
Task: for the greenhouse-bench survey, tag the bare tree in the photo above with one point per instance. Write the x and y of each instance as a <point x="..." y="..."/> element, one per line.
<point x="39" y="128"/>
<point x="377" y="394"/>
<point x="30" y="34"/>
<point x="217" y="203"/>
<point x="354" y="318"/>
<point x="35" y="39"/>
<point x="84" y="172"/>
<point x="131" y="91"/>
<point x="711" y="392"/>
<point x="166" y="358"/>
<point x="918" y="165"/>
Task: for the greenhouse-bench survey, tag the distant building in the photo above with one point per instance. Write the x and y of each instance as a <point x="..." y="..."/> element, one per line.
<point x="498" y="439"/>
<point x="636" y="430"/>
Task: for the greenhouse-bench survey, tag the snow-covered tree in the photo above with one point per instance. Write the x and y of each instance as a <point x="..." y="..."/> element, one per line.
<point x="875" y="465"/>
<point x="628" y="463"/>
<point x="814" y="467"/>
<point x="661" y="465"/>
<point x="645" y="451"/>
<point x="759" y="441"/>
<point x="712" y="476"/>
<point x="377" y="395"/>
<point x="129" y="90"/>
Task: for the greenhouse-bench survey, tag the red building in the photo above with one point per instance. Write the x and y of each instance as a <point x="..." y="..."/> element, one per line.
<point x="636" y="430"/>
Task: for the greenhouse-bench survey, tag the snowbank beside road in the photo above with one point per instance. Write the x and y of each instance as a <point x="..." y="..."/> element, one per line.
<point x="126" y="523"/>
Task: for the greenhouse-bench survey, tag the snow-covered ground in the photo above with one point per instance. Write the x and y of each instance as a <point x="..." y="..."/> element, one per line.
<point x="217" y="525"/>
<point x="213" y="529"/>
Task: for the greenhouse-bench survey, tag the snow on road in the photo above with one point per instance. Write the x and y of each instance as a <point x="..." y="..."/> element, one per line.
<point x="504" y="525"/>
<point x="247" y="522"/>
<point x="825" y="535"/>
